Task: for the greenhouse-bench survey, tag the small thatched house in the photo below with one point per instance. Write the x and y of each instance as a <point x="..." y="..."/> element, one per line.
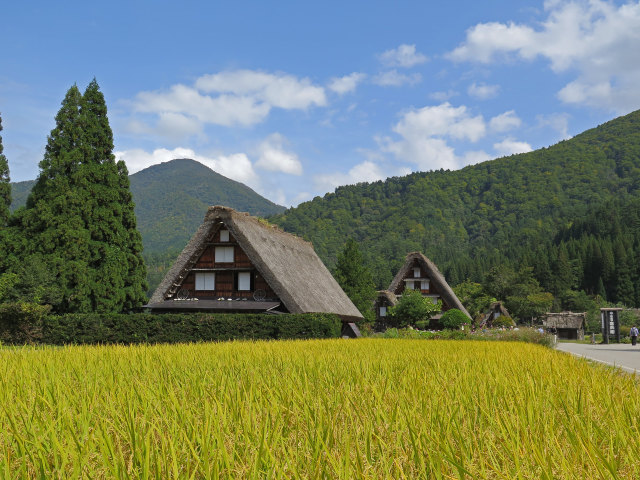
<point x="496" y="310"/>
<point x="567" y="325"/>
<point x="384" y="302"/>
<point x="418" y="273"/>
<point x="238" y="263"/>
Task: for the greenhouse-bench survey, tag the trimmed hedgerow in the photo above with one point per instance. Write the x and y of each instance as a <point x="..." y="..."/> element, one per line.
<point x="178" y="328"/>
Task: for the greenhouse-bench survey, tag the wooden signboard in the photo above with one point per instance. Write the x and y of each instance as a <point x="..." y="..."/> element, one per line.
<point x="610" y="322"/>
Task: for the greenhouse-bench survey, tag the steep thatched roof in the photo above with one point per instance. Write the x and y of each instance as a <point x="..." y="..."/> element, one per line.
<point x="435" y="276"/>
<point x="490" y="313"/>
<point x="287" y="263"/>
<point x="564" y="320"/>
<point x="390" y="297"/>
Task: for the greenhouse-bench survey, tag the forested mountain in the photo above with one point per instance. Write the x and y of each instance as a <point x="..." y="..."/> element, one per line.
<point x="508" y="211"/>
<point x="171" y="199"/>
<point x="20" y="192"/>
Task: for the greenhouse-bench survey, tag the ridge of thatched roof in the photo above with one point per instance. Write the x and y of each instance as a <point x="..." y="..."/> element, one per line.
<point x="434" y="275"/>
<point x="288" y="263"/>
<point x="564" y="320"/>
<point x="389" y="296"/>
<point x="499" y="306"/>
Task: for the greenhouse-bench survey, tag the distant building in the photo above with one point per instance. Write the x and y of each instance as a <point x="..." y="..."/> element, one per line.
<point x="239" y="263"/>
<point x="417" y="273"/>
<point x="495" y="311"/>
<point x="567" y="325"/>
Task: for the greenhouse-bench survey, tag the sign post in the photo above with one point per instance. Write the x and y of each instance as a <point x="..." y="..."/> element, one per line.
<point x="610" y="322"/>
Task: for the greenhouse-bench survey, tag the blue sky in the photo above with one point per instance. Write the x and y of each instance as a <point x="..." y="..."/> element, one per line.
<point x="296" y="98"/>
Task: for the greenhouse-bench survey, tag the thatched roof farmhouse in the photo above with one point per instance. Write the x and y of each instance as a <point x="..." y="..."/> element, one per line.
<point x="496" y="310"/>
<point x="567" y="325"/>
<point x="238" y="263"/>
<point x="419" y="273"/>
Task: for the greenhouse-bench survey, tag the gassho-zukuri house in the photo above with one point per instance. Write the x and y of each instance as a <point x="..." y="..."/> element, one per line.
<point x="418" y="273"/>
<point x="238" y="263"/>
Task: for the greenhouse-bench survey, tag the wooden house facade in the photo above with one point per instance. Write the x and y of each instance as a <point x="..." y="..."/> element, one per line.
<point x="238" y="263"/>
<point x="418" y="273"/>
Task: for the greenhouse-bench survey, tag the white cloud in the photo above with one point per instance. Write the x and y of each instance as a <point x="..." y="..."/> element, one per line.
<point x="226" y="110"/>
<point x="475" y="156"/>
<point x="510" y="146"/>
<point x="236" y="166"/>
<point x="405" y="56"/>
<point x="283" y="91"/>
<point x="393" y="78"/>
<point x="482" y="91"/>
<point x="366" y="171"/>
<point x="443" y="96"/>
<point x="274" y="157"/>
<point x="556" y="121"/>
<point x="424" y="133"/>
<point x="597" y="40"/>
<point x="505" y="121"/>
<point x="346" y="84"/>
<point x="442" y="120"/>
<point x="232" y="98"/>
<point x="177" y="126"/>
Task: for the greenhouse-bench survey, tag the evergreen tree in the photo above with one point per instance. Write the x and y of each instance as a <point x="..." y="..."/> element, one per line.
<point x="5" y="185"/>
<point x="624" y="290"/>
<point x="80" y="213"/>
<point x="600" y="290"/>
<point x="356" y="279"/>
<point x="116" y="246"/>
<point x="53" y="223"/>
<point x="564" y="277"/>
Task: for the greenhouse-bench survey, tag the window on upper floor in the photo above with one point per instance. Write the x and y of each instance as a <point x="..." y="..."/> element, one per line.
<point x="224" y="254"/>
<point x="205" y="281"/>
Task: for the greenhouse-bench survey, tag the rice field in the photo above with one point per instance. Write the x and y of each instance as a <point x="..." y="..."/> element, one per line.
<point x="372" y="408"/>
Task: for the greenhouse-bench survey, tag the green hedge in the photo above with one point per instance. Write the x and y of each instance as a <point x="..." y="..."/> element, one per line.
<point x="176" y="328"/>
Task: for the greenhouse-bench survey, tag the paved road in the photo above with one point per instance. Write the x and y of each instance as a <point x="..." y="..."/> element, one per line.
<point x="621" y="355"/>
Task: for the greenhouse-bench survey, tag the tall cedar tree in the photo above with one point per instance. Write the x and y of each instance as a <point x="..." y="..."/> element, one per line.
<point x="356" y="279"/>
<point x="79" y="215"/>
<point x="5" y="185"/>
<point x="116" y="244"/>
<point x="53" y="223"/>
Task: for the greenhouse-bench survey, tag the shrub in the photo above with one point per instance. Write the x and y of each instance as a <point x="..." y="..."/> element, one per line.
<point x="411" y="308"/>
<point x="523" y="334"/>
<point x="423" y="324"/>
<point x="21" y="322"/>
<point x="176" y="328"/>
<point x="503" y="321"/>
<point x="453" y="319"/>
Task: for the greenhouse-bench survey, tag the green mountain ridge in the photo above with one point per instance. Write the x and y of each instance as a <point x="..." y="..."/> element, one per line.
<point x="469" y="220"/>
<point x="172" y="198"/>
